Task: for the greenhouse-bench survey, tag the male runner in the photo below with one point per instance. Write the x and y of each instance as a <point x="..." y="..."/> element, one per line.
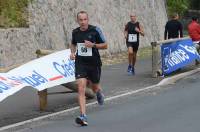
<point x="86" y="41"/>
<point x="132" y="31"/>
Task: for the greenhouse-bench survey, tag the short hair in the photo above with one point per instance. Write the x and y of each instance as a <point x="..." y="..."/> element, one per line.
<point x="174" y="15"/>
<point x="194" y="18"/>
<point x="132" y="15"/>
<point x="81" y="12"/>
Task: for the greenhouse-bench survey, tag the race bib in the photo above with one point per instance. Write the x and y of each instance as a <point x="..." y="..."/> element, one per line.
<point x="84" y="51"/>
<point x="132" y="37"/>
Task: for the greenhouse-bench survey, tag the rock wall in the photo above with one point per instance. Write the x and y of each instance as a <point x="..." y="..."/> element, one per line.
<point x="51" y="23"/>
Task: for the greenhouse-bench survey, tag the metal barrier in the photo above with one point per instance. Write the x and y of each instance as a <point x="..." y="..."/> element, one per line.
<point x="156" y="55"/>
<point x="197" y="45"/>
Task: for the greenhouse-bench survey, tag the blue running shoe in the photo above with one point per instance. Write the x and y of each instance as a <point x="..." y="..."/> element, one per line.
<point x="129" y="68"/>
<point x="100" y="97"/>
<point x="82" y="120"/>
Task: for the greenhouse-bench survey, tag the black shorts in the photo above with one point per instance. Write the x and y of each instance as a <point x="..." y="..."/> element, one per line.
<point x="135" y="46"/>
<point x="92" y="73"/>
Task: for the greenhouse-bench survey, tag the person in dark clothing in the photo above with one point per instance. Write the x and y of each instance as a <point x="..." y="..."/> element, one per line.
<point x="86" y="41"/>
<point x="173" y="28"/>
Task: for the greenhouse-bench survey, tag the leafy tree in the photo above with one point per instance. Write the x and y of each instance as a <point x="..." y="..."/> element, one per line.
<point x="177" y="6"/>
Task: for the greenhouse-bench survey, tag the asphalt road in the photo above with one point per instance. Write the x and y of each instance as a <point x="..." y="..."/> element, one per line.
<point x="24" y="104"/>
<point x="172" y="108"/>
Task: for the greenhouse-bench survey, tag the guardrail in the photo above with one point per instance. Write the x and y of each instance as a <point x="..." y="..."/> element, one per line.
<point x="156" y="55"/>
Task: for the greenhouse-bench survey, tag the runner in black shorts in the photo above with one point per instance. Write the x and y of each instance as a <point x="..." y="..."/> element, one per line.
<point x="86" y="40"/>
<point x="132" y="31"/>
<point x="91" y="73"/>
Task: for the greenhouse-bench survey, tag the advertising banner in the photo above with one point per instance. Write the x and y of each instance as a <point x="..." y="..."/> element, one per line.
<point x="177" y="54"/>
<point x="42" y="73"/>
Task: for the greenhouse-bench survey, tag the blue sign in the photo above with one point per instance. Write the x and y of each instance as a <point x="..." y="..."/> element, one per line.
<point x="177" y="54"/>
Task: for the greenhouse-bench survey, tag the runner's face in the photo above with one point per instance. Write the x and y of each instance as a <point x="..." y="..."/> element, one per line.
<point x="83" y="21"/>
<point x="133" y="18"/>
<point x="177" y="17"/>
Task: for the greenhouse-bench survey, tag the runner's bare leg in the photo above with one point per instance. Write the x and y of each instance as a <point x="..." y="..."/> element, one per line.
<point x="81" y="94"/>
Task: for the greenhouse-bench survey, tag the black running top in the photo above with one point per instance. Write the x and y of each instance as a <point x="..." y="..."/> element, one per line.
<point x="173" y="28"/>
<point x="92" y="34"/>
<point x="130" y="28"/>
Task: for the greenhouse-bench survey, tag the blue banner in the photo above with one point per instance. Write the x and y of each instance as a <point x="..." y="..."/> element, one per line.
<point x="177" y="54"/>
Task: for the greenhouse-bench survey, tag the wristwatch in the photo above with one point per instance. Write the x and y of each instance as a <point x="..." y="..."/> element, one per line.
<point x="94" y="46"/>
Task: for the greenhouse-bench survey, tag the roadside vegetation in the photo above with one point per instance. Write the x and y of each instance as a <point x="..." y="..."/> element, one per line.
<point x="13" y="13"/>
<point x="181" y="6"/>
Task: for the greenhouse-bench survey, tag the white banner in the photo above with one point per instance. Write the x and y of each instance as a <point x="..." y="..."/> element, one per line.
<point x="42" y="73"/>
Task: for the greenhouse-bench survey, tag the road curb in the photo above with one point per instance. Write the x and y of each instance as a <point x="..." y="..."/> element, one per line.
<point x="173" y="79"/>
<point x="166" y="81"/>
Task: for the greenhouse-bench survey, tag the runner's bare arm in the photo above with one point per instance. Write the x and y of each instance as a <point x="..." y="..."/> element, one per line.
<point x="73" y="50"/>
<point x="125" y="34"/>
<point x="101" y="46"/>
<point x="141" y="31"/>
<point x="98" y="46"/>
<point x="125" y="31"/>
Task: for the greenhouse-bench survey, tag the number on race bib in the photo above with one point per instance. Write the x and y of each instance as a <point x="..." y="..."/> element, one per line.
<point x="132" y="37"/>
<point x="84" y="51"/>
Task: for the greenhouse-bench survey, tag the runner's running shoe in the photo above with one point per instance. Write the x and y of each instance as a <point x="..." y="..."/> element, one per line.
<point x="82" y="120"/>
<point x="129" y="68"/>
<point x="100" y="97"/>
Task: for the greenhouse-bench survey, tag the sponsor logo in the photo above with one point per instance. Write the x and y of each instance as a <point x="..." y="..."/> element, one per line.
<point x="4" y="86"/>
<point x="66" y="68"/>
<point x="177" y="57"/>
<point x="35" y="79"/>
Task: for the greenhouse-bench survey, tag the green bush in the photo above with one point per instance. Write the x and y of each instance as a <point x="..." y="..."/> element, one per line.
<point x="177" y="6"/>
<point x="181" y="6"/>
<point x="13" y="13"/>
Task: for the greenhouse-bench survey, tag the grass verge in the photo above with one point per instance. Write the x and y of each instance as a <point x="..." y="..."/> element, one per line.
<point x="14" y="13"/>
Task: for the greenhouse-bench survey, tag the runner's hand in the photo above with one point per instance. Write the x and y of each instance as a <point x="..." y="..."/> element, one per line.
<point x="72" y="56"/>
<point x="125" y="36"/>
<point x="88" y="44"/>
<point x="137" y="29"/>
